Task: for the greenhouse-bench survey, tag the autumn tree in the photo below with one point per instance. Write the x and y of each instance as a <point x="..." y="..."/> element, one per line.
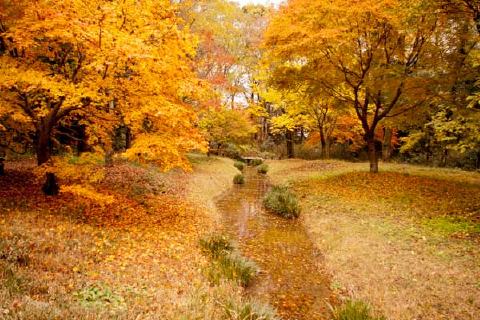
<point x="366" y="54"/>
<point x="100" y="64"/>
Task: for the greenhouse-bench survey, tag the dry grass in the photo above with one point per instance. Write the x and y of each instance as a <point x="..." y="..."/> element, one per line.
<point x="66" y="258"/>
<point x="406" y="240"/>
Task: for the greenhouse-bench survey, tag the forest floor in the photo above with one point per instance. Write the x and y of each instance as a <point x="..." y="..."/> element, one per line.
<point x="68" y="257"/>
<point x="406" y="240"/>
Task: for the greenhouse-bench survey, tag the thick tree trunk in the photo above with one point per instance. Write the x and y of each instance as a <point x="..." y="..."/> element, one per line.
<point x="372" y="154"/>
<point x="387" y="144"/>
<point x="43" y="147"/>
<point x="50" y="187"/>
<point x="289" y="139"/>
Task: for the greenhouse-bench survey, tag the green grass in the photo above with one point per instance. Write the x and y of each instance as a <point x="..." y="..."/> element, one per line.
<point x="354" y="310"/>
<point x="282" y="201"/>
<point x="239" y="179"/>
<point x="216" y="245"/>
<point x="233" y="267"/>
<point x="256" y="162"/>
<point x="263" y="168"/>
<point x="239" y="165"/>
<point x="447" y="226"/>
<point x="226" y="262"/>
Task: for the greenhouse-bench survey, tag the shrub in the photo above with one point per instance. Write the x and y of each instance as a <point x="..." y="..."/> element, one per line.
<point x="354" y="310"/>
<point x="282" y="202"/>
<point x="248" y="311"/>
<point x="232" y="266"/>
<point x="216" y="245"/>
<point x="239" y="179"/>
<point x="256" y="162"/>
<point x="239" y="165"/>
<point x="263" y="168"/>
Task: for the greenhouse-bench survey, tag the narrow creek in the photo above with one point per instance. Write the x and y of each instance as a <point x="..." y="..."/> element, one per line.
<point x="291" y="277"/>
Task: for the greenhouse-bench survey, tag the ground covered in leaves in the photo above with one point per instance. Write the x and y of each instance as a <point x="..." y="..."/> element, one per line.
<point x="70" y="257"/>
<point x="406" y="240"/>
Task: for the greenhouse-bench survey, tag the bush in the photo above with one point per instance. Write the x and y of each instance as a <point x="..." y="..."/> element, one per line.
<point x="282" y="202"/>
<point x="232" y="266"/>
<point x="239" y="179"/>
<point x="216" y="245"/>
<point x="263" y="168"/>
<point x="256" y="162"/>
<point x="248" y="311"/>
<point x="354" y="310"/>
<point x="239" y="165"/>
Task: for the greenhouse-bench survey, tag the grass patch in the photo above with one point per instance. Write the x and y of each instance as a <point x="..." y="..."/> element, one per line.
<point x="263" y="168"/>
<point x="239" y="179"/>
<point x="447" y="226"/>
<point x="256" y="162"/>
<point x="216" y="245"/>
<point x="227" y="263"/>
<point x="13" y="283"/>
<point x="239" y="165"/>
<point x="354" y="310"/>
<point x="249" y="311"/>
<point x="97" y="296"/>
<point x="233" y="267"/>
<point x="283" y="202"/>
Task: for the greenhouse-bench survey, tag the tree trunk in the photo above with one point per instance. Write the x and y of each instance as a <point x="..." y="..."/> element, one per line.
<point x="50" y="187"/>
<point x="43" y="147"/>
<point x="2" y="166"/>
<point x="289" y="139"/>
<point x="387" y="144"/>
<point x="323" y="143"/>
<point x="372" y="154"/>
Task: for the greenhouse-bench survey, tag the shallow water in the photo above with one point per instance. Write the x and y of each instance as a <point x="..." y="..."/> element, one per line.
<point x="291" y="277"/>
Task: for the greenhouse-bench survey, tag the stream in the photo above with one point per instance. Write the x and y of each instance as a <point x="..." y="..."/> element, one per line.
<point x="291" y="277"/>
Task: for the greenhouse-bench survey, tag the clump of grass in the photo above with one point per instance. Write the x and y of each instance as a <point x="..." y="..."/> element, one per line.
<point x="256" y="162"/>
<point x="11" y="281"/>
<point x="98" y="295"/>
<point x="216" y="245"/>
<point x="283" y="202"/>
<point x="232" y="267"/>
<point x="239" y="179"/>
<point x="247" y="310"/>
<point x="239" y="165"/>
<point x="263" y="168"/>
<point x="354" y="310"/>
<point x="227" y="263"/>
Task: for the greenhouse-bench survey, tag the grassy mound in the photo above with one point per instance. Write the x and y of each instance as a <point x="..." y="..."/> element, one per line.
<point x="283" y="202"/>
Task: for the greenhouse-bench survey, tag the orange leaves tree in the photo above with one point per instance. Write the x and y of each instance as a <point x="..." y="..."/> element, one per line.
<point x="366" y="54"/>
<point x="97" y="64"/>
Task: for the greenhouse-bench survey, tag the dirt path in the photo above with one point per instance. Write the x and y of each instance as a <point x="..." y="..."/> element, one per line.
<point x="292" y="278"/>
